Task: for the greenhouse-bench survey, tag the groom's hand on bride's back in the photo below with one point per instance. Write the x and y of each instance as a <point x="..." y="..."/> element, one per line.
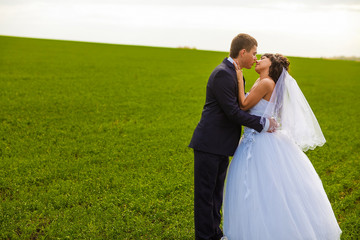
<point x="273" y="125"/>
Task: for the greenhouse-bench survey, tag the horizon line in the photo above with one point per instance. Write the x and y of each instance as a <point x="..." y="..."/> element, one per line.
<point x="340" y="57"/>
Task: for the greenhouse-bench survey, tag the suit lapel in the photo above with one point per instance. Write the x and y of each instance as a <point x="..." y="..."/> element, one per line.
<point x="231" y="66"/>
<point x="244" y="83"/>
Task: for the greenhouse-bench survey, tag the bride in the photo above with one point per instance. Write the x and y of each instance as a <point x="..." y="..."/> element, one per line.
<point x="272" y="190"/>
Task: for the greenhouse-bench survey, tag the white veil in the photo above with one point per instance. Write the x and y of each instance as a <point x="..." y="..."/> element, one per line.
<point x="291" y="110"/>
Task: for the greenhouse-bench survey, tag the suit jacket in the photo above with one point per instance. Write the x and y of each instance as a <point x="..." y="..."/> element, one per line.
<point x="219" y="129"/>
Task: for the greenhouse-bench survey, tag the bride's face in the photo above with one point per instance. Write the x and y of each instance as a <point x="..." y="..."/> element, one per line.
<point x="263" y="64"/>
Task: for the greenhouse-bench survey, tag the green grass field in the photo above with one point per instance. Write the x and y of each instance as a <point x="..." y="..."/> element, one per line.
<point x="93" y="138"/>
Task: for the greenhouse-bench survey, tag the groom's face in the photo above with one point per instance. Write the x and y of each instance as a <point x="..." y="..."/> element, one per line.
<point x="249" y="58"/>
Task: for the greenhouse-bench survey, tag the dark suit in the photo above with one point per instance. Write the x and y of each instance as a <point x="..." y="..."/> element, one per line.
<point x="215" y="138"/>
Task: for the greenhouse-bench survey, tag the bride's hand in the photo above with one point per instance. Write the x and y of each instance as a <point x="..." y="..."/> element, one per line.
<point x="239" y="72"/>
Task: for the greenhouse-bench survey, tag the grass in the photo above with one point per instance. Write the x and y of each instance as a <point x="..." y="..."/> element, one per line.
<point x="93" y="138"/>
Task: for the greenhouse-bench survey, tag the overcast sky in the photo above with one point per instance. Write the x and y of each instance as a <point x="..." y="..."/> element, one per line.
<point x="310" y="28"/>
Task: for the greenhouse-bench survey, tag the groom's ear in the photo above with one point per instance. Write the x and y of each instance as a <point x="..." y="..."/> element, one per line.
<point x="242" y="52"/>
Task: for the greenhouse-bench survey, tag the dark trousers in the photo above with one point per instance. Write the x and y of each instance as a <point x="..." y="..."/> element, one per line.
<point x="210" y="172"/>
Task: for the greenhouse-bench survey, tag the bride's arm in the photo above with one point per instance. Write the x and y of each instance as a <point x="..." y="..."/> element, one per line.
<point x="257" y="92"/>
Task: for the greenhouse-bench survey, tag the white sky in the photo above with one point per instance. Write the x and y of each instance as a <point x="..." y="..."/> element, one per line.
<point x="309" y="28"/>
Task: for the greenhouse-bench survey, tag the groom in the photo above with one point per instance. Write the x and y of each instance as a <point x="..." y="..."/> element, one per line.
<point x="217" y="136"/>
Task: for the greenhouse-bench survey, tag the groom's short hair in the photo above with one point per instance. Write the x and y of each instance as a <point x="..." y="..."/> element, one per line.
<point x="242" y="41"/>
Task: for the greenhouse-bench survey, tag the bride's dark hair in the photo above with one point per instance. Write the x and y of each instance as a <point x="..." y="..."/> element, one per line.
<point x="278" y="62"/>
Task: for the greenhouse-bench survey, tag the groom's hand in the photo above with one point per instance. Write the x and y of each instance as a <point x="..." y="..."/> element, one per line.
<point x="273" y="125"/>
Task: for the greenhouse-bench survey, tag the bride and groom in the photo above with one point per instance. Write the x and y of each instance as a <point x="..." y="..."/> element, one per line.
<point x="272" y="190"/>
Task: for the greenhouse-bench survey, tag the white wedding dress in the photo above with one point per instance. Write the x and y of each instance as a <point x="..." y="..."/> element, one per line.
<point x="272" y="191"/>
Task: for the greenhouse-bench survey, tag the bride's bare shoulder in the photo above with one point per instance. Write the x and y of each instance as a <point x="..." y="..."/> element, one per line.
<point x="268" y="80"/>
<point x="267" y="83"/>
